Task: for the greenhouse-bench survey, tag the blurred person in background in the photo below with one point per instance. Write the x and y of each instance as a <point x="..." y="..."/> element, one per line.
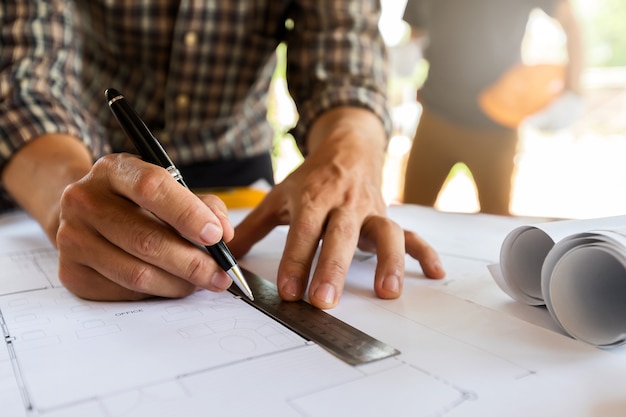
<point x="478" y="91"/>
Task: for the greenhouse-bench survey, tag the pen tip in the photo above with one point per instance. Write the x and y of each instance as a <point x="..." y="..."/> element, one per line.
<point x="237" y="276"/>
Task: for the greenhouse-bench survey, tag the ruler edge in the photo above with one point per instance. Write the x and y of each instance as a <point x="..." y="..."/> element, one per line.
<point x="387" y="350"/>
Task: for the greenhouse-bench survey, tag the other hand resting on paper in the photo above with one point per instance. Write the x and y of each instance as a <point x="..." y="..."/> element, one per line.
<point x="117" y="223"/>
<point x="335" y="197"/>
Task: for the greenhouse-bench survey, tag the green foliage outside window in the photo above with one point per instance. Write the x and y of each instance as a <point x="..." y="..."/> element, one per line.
<point x="603" y="23"/>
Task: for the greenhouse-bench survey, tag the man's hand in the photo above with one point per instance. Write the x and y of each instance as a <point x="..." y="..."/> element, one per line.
<point x="335" y="197"/>
<point x="118" y="223"/>
<point x="120" y="234"/>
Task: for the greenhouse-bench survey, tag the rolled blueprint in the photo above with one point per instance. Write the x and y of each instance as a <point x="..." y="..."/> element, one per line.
<point x="577" y="268"/>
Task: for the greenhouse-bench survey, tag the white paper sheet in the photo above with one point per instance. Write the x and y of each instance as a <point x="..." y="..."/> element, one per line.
<point x="464" y="353"/>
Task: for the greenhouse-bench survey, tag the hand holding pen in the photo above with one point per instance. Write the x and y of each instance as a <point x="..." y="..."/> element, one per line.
<point x="126" y="231"/>
<point x="152" y="151"/>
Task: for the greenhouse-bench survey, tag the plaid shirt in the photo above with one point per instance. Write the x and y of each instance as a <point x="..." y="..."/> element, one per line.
<point x="198" y="72"/>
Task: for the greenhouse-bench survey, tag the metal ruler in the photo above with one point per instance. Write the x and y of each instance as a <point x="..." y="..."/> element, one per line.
<point x="344" y="341"/>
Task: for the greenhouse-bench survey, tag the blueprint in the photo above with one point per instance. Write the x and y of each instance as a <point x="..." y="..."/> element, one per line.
<point x="465" y="349"/>
<point x="72" y="357"/>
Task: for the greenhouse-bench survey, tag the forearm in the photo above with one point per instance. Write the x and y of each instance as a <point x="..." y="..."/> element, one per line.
<point x="39" y="172"/>
<point x="336" y="58"/>
<point x="567" y="19"/>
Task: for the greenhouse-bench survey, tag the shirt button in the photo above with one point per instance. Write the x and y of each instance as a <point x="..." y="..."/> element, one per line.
<point x="191" y="38"/>
<point x="182" y="100"/>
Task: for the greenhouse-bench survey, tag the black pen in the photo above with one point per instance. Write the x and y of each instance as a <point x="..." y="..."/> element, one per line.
<point x="151" y="151"/>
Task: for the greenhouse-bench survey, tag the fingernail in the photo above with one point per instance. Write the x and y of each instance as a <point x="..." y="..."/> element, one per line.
<point x="220" y="281"/>
<point x="392" y="284"/>
<point x="210" y="234"/>
<point x="326" y="293"/>
<point x="292" y="288"/>
<point x="438" y="267"/>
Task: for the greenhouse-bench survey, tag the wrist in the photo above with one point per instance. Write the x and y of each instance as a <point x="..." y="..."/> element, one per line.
<point x="38" y="173"/>
<point x="354" y="123"/>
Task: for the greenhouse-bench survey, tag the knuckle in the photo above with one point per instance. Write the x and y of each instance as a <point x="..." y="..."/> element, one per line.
<point x="298" y="264"/>
<point x="74" y="198"/>
<point x="395" y="261"/>
<point x="335" y="268"/>
<point x="189" y="211"/>
<point x="145" y="183"/>
<point x="392" y="224"/>
<point x="68" y="238"/>
<point x="345" y="229"/>
<point x="148" y="242"/>
<point x="306" y="227"/>
<point x="295" y="266"/>
<point x="139" y="278"/>
<point x="106" y="162"/>
<point x="379" y="224"/>
<point x="195" y="270"/>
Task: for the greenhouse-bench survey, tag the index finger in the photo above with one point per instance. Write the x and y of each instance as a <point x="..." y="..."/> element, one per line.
<point x="154" y="189"/>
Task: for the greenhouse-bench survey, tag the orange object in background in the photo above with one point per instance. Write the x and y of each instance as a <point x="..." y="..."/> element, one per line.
<point x="236" y="197"/>
<point x="522" y="91"/>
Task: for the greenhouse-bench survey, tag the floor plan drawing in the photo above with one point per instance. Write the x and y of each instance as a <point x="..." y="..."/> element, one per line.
<point x="74" y="355"/>
<point x="465" y="349"/>
<point x="28" y="270"/>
